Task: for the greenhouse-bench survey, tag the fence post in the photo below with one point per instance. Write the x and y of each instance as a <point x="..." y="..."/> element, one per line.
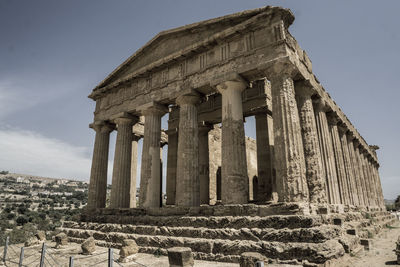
<point x="71" y="261"/>
<point x="5" y="249"/>
<point x="21" y="257"/>
<point x="259" y="264"/>
<point x="42" y="255"/>
<point x="110" y="257"/>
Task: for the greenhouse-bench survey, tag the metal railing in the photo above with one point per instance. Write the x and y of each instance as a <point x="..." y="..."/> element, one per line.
<point x="29" y="257"/>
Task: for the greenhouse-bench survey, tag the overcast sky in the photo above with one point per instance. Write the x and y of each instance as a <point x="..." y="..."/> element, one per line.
<point x="53" y="53"/>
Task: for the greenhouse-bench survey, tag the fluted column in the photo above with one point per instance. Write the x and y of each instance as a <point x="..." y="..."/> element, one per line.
<point x="373" y="182"/>
<point x="98" y="173"/>
<point x="235" y="183"/>
<point x="314" y="169"/>
<point x="264" y="158"/>
<point x="289" y="159"/>
<point x="364" y="196"/>
<point x="381" y="197"/>
<point x="327" y="153"/>
<point x="121" y="180"/>
<point x="187" y="174"/>
<point x="150" y="177"/>
<point x="358" y="188"/>
<point x="171" y="165"/>
<point x="204" y="163"/>
<point x="368" y="179"/>
<point x="339" y="160"/>
<point x="135" y="140"/>
<point x="353" y="197"/>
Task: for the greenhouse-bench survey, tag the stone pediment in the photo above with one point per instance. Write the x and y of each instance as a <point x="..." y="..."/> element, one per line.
<point x="171" y="42"/>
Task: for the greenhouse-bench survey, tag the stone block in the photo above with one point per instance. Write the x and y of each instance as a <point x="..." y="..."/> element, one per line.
<point x="128" y="250"/>
<point x="88" y="246"/>
<point x="351" y="231"/>
<point x="61" y="240"/>
<point x="338" y="221"/>
<point x="249" y="259"/>
<point x="366" y="243"/>
<point x="180" y="257"/>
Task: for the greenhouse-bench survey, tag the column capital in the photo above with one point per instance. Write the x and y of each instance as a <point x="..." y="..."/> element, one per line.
<point x="333" y="118"/>
<point x="102" y="126"/>
<point x="304" y="88"/>
<point x="321" y="105"/>
<point x="153" y="108"/>
<point x="342" y="128"/>
<point x="192" y="98"/>
<point x="237" y="83"/>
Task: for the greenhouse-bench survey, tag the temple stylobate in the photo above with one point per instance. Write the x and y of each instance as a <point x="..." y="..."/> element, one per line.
<point x="218" y="72"/>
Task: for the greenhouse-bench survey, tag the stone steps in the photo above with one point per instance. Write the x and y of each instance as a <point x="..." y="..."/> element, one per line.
<point x="213" y="222"/>
<point x="227" y="250"/>
<point x="312" y="234"/>
<point x="312" y="238"/>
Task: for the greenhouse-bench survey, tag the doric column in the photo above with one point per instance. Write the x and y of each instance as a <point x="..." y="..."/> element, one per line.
<point x="121" y="180"/>
<point x="314" y="168"/>
<point x="372" y="178"/>
<point x="368" y="178"/>
<point x="187" y="175"/>
<point x="204" y="163"/>
<point x="339" y="160"/>
<point x="328" y="156"/>
<point x="264" y="158"/>
<point x="357" y="153"/>
<point x="288" y="146"/>
<point x="171" y="164"/>
<point x="358" y="188"/>
<point x="98" y="173"/>
<point x="381" y="197"/>
<point x="235" y="182"/>
<point x="353" y="197"/>
<point x="135" y="140"/>
<point x="150" y="177"/>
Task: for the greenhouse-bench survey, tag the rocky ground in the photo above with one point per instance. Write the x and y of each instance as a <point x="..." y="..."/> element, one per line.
<point x="381" y="254"/>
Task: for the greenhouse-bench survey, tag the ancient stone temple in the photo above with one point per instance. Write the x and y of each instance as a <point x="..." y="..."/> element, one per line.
<point x="316" y="176"/>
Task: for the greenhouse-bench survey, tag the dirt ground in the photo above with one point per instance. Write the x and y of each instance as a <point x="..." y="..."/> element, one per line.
<point x="381" y="254"/>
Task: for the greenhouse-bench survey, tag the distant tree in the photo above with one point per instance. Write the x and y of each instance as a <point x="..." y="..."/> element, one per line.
<point x="21" y="220"/>
<point x="11" y="216"/>
<point x="4" y="172"/>
<point x="397" y="203"/>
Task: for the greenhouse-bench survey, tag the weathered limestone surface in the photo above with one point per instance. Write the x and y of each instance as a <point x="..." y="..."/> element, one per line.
<point x="98" y="173"/>
<point x="314" y="168"/>
<point x="264" y="159"/>
<point x="187" y="176"/>
<point x="339" y="160"/>
<point x="362" y="187"/>
<point x="234" y="170"/>
<point x="358" y="189"/>
<point x="134" y="156"/>
<point x="204" y="164"/>
<point x="353" y="199"/>
<point x="180" y="257"/>
<point x="171" y="167"/>
<point x="327" y="152"/>
<point x="288" y="146"/>
<point x="149" y="195"/>
<point x="121" y="180"/>
<point x="88" y="246"/>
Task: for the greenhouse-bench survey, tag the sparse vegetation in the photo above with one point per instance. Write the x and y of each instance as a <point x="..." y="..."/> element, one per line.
<point x="28" y="205"/>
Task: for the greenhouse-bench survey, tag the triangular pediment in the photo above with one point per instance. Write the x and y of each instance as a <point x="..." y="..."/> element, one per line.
<point x="172" y="41"/>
